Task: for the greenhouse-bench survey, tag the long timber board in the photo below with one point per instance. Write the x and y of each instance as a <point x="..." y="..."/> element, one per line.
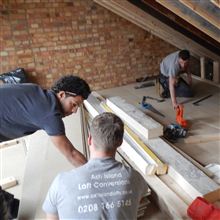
<point x="187" y="175"/>
<point x="135" y="118"/>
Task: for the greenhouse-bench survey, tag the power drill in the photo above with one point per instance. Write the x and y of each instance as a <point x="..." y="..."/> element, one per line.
<point x="174" y="131"/>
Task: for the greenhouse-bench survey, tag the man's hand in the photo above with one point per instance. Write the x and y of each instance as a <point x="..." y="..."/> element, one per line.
<point x="68" y="150"/>
<point x="176" y="106"/>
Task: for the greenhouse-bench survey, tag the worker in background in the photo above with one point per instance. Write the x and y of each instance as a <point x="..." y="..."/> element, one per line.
<point x="103" y="188"/>
<point x="26" y="108"/>
<point x="170" y="69"/>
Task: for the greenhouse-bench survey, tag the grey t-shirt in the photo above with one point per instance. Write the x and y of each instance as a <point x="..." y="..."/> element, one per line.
<point x="170" y="65"/>
<point x="101" y="189"/>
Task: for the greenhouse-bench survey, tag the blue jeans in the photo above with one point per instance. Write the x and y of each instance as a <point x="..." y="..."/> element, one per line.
<point x="182" y="88"/>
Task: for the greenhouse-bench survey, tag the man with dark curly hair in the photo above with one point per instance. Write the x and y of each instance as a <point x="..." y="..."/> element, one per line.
<point x="26" y="108"/>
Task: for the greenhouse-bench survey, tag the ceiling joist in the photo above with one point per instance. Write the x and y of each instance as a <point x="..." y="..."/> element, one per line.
<point x="171" y="7"/>
<point x="201" y="12"/>
<point x="137" y="16"/>
<point x="216" y="3"/>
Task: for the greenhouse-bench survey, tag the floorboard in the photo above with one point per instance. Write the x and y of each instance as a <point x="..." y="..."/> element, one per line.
<point x="202" y="119"/>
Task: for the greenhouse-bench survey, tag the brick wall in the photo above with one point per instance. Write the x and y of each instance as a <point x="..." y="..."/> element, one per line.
<point x="51" y="38"/>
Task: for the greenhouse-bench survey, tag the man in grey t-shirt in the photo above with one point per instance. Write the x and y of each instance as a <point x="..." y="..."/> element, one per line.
<point x="170" y="69"/>
<point x="103" y="188"/>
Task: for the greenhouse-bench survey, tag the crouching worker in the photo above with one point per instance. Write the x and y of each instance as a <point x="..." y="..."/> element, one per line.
<point x="103" y="188"/>
<point x="170" y="69"/>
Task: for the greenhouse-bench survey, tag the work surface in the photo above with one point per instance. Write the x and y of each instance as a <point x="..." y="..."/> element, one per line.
<point x="203" y="119"/>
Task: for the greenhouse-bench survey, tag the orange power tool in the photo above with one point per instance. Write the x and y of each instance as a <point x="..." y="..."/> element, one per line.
<point x="179" y="117"/>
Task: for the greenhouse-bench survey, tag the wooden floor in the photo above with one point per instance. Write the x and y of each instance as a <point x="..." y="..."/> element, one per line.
<point x="203" y="119"/>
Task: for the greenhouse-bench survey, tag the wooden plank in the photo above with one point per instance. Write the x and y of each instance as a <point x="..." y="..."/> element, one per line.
<point x="144" y="167"/>
<point x="161" y="168"/>
<point x="203" y="169"/>
<point x="202" y="12"/>
<point x="171" y="7"/>
<point x="216" y="72"/>
<point x="216" y="3"/>
<point x="84" y="133"/>
<point x="202" y="67"/>
<point x="188" y="176"/>
<point x="166" y="196"/>
<point x="8" y="182"/>
<point x="137" y="16"/>
<point x="135" y="118"/>
<point x="206" y="81"/>
<point x="93" y="106"/>
<point x="195" y="139"/>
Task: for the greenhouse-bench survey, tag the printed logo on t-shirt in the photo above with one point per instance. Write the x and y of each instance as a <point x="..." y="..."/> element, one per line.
<point x="108" y="190"/>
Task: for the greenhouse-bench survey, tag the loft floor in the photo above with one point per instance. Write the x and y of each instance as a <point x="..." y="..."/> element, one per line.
<point x="203" y="119"/>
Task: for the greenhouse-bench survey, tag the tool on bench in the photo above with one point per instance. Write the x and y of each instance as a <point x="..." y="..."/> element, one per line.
<point x="198" y="101"/>
<point x="147" y="84"/>
<point x="148" y="106"/>
<point x="146" y="78"/>
<point x="158" y="100"/>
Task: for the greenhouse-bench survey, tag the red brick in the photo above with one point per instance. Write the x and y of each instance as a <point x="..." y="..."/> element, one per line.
<point x="54" y="37"/>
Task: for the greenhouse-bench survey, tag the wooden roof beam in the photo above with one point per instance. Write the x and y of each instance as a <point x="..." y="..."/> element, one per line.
<point x="201" y="12"/>
<point x="171" y="7"/>
<point x="216" y="3"/>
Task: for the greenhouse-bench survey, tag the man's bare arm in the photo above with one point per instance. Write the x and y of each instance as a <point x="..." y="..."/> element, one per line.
<point x="68" y="150"/>
<point x="52" y="217"/>
<point x="172" y="83"/>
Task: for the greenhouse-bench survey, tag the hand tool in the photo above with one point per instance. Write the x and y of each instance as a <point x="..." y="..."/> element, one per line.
<point x="179" y="117"/>
<point x="174" y="131"/>
<point x="147" y="84"/>
<point x="196" y="103"/>
<point x="143" y="79"/>
<point x="148" y="106"/>
<point x="158" y="100"/>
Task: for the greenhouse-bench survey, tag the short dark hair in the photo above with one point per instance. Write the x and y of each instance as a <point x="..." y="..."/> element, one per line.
<point x="184" y="54"/>
<point x="73" y="84"/>
<point x="107" y="132"/>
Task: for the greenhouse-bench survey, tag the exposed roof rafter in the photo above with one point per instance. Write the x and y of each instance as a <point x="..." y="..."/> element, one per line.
<point x="201" y="12"/>
<point x="176" y="10"/>
<point x="216" y="3"/>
